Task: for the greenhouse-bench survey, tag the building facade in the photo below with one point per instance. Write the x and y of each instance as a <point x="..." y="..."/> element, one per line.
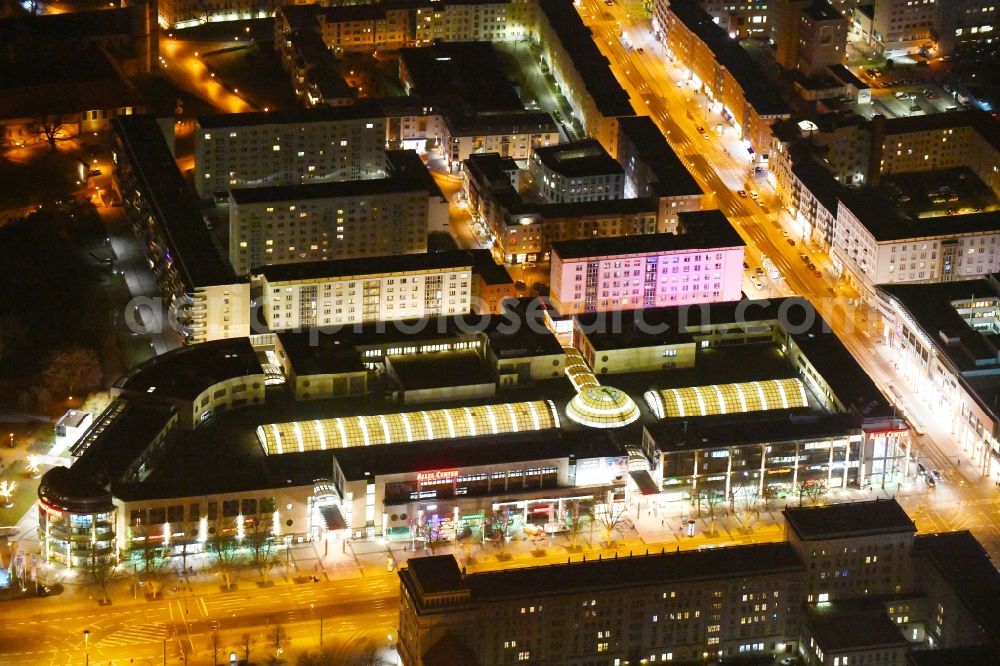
<point x="702" y="263"/>
<point x="576" y="171"/>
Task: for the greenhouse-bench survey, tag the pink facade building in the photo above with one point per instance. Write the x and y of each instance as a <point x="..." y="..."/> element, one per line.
<point x="703" y="263"/>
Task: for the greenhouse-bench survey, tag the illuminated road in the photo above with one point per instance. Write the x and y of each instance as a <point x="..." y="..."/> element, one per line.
<point x="180" y="63"/>
<point x="659" y="88"/>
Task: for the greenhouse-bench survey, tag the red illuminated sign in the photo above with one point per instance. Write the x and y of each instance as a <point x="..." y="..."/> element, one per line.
<point x="437" y="475"/>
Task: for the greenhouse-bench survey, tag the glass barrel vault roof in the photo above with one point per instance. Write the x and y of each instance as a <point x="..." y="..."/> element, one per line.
<point x="602" y="407"/>
<point x="404" y="427"/>
<point x="727" y="398"/>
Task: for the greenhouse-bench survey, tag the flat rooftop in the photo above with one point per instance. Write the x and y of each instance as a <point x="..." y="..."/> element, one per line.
<point x="331" y="190"/>
<point x="846" y="628"/>
<point x="470" y="72"/>
<point x="396" y="263"/>
<point x="578" y="159"/>
<point x="320" y="114"/>
<point x="927" y="194"/>
<point x="192" y="249"/>
<point x="974" y="354"/>
<point x="762" y="97"/>
<point x="185" y="372"/>
<point x="358" y="462"/>
<point x="577" y="40"/>
<point x="706" y="230"/>
<point x="671" y="177"/>
<point x="610" y="574"/>
<point x="848" y="520"/>
<point x="966" y="566"/>
<point x="441" y="370"/>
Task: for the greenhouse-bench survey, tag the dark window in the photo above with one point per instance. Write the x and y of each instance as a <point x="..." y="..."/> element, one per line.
<point x="248" y="507"/>
<point x="194" y="513"/>
<point x="267" y="505"/>
<point x="157" y="516"/>
<point x="138" y="517"/>
<point x="175" y="514"/>
<point x="213" y="510"/>
<point x="230" y="508"/>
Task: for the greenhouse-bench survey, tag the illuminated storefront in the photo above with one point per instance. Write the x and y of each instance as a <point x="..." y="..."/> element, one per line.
<point x="76" y="524"/>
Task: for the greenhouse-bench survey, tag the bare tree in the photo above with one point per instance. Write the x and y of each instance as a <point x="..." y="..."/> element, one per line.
<point x="247" y="643"/>
<point x="153" y="569"/>
<point x="260" y="540"/>
<point x="52" y="127"/>
<point x="816" y="490"/>
<point x="72" y="370"/>
<point x="747" y="501"/>
<point x="712" y="499"/>
<point x="367" y="656"/>
<point x="610" y="518"/>
<point x="216" y="646"/>
<point x="227" y="557"/>
<point x="575" y="518"/>
<point x="277" y="639"/>
<point x="770" y="493"/>
<point x="430" y="532"/>
<point x="102" y="572"/>
<point x="499" y="526"/>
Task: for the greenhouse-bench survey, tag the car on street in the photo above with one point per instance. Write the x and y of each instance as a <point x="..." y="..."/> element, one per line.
<point x="742" y="193"/>
<point x="804" y="257"/>
<point x="936" y="473"/>
<point x="640" y="50"/>
<point x="784" y="233"/>
<point x="818" y="274"/>
<point x="811" y="266"/>
<point x="746" y="266"/>
<point x="758" y="270"/>
<point x="754" y="195"/>
<point x="930" y="480"/>
<point x="701" y="130"/>
<point x="921" y="469"/>
<point x="609" y="3"/>
<point x="791" y="242"/>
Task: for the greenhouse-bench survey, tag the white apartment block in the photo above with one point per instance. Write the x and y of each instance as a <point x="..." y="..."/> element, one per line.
<point x="188" y="13"/>
<point x="575" y="172"/>
<point x="394" y="25"/>
<point x="288" y="148"/>
<point x="870" y="250"/>
<point x="279" y="225"/>
<point x="905" y="24"/>
<point x="352" y="291"/>
<point x="513" y="135"/>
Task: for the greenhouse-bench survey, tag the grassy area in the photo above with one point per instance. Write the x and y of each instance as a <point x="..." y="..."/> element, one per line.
<point x="225" y="31"/>
<point x="255" y="71"/>
<point x="73" y="299"/>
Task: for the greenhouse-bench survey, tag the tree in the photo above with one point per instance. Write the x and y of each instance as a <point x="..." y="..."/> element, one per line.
<point x="72" y="370"/>
<point x="367" y="656"/>
<point x="575" y="518"/>
<point x="53" y="128"/>
<point x="324" y="658"/>
<point x="430" y="532"/>
<point x="227" y="556"/>
<point x="747" y="501"/>
<point x="610" y="518"/>
<point x="102" y="572"/>
<point x="247" y="643"/>
<point x="712" y="499"/>
<point x="770" y="493"/>
<point x="216" y="646"/>
<point x="499" y="526"/>
<point x="816" y="490"/>
<point x="153" y="569"/>
<point x="277" y="639"/>
<point x="259" y="539"/>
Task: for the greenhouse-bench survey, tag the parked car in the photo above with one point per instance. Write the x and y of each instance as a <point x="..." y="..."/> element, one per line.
<point x="746" y="266"/>
<point x="936" y="473"/>
<point x="930" y="480"/>
<point x="758" y="270"/>
<point x="804" y="257"/>
<point x="640" y="50"/>
<point x="811" y="266"/>
<point x="742" y="193"/>
<point x="818" y="274"/>
<point x="921" y="469"/>
<point x="791" y="242"/>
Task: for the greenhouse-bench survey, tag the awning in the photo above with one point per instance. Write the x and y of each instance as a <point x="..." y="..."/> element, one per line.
<point x="334" y="521"/>
<point x="645" y="482"/>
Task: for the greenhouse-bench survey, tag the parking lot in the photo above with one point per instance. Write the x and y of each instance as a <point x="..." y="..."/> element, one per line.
<point x="900" y="92"/>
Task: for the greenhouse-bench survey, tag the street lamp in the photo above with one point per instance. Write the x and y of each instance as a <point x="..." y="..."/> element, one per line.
<point x="86" y="646"/>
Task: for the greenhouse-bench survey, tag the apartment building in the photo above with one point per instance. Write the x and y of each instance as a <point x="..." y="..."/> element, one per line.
<point x="524" y="231"/>
<point x="575" y="172"/>
<point x="822" y="38"/>
<point x="653" y="169"/>
<point x="198" y="285"/>
<point x="313" y="70"/>
<point x="178" y="14"/>
<point x="903" y="25"/>
<point x="351" y="291"/>
<point x="291" y="147"/>
<point x="739" y="602"/>
<point x="752" y="19"/>
<point x="395" y="25"/>
<point x="719" y="66"/>
<point x="515" y="134"/>
<point x="581" y="73"/>
<point x="701" y="263"/>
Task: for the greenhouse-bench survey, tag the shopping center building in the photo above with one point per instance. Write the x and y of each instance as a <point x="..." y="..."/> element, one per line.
<point x="382" y="429"/>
